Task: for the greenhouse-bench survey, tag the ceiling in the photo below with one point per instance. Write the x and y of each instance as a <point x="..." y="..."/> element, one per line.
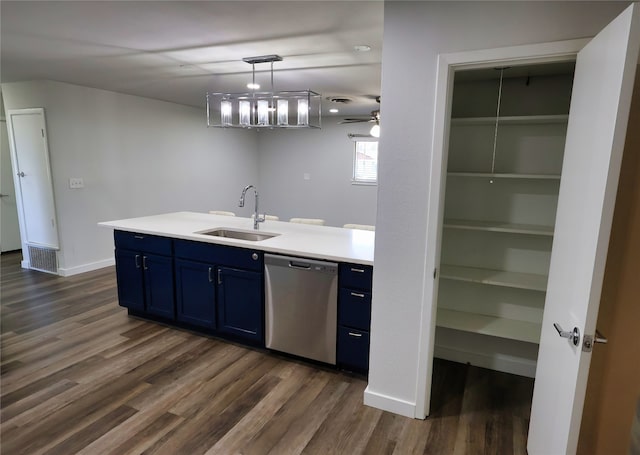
<point x="178" y="50"/>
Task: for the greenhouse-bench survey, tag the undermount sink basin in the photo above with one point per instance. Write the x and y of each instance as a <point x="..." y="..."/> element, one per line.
<point x="241" y="235"/>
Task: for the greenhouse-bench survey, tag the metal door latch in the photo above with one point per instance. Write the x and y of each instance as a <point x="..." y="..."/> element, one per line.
<point x="574" y="335"/>
<point x="590" y="340"/>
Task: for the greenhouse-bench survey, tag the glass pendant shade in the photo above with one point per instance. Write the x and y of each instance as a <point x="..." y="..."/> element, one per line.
<point x="283" y="112"/>
<point x="245" y="113"/>
<point x="225" y="112"/>
<point x="263" y="112"/>
<point x="303" y="112"/>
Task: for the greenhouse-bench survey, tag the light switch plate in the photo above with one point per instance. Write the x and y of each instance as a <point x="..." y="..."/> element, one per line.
<point x="306" y="176"/>
<point x="76" y="182"/>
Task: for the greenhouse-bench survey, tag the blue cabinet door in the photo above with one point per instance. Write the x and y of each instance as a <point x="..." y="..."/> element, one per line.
<point x="129" y="278"/>
<point x="240" y="304"/>
<point x="158" y="284"/>
<point x="195" y="293"/>
<point x="353" y="349"/>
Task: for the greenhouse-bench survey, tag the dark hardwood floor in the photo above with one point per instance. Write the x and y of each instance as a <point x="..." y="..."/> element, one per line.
<point x="80" y="376"/>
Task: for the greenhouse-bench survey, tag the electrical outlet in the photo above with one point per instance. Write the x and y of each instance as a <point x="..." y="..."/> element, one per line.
<point x="76" y="182"/>
<point x="306" y="176"/>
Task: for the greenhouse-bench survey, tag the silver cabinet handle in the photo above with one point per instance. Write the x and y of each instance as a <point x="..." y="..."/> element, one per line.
<point x="138" y="236"/>
<point x="357" y="270"/>
<point x="144" y="263"/>
<point x="219" y="276"/>
<point x="210" y="277"/>
<point x="4" y="195"/>
<point x="254" y="256"/>
<point x="20" y="174"/>
<point x="137" y="261"/>
<point x="574" y="335"/>
<point x="357" y="294"/>
<point x="357" y="335"/>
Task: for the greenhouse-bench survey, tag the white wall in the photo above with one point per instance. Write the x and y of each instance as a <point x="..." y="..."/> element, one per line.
<point x="327" y="156"/>
<point x="414" y="34"/>
<point x="137" y="157"/>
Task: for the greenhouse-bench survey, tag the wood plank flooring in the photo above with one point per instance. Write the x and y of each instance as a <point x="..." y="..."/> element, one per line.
<point x="78" y="375"/>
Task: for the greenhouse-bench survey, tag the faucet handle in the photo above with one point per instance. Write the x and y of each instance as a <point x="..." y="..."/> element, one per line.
<point x="261" y="218"/>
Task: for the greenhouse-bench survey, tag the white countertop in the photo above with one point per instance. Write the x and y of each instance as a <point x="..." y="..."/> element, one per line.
<point x="318" y="242"/>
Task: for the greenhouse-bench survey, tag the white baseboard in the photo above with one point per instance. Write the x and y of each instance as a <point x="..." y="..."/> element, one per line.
<point x="86" y="267"/>
<point x="506" y="364"/>
<point x="387" y="403"/>
<point x="25" y="264"/>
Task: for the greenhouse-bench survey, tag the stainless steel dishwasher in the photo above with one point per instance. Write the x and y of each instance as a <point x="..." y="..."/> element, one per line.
<point x="301" y="300"/>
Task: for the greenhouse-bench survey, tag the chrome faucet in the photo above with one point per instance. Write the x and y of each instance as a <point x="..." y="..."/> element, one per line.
<point x="257" y="218"/>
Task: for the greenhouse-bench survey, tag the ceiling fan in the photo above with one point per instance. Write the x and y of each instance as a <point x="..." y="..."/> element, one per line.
<point x="373" y="118"/>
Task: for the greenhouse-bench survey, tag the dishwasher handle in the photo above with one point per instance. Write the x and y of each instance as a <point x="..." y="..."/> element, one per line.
<point x="299" y="265"/>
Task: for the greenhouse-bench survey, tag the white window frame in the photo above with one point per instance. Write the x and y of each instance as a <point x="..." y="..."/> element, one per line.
<point x="355" y="180"/>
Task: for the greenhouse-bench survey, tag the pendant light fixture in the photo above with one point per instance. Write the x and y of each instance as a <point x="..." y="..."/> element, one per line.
<point x="264" y="109"/>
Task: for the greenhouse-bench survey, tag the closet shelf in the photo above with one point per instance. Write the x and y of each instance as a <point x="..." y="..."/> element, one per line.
<point x="496" y="226"/>
<point x="489" y="325"/>
<point x="511" y="120"/>
<point x="505" y="175"/>
<point x="517" y="280"/>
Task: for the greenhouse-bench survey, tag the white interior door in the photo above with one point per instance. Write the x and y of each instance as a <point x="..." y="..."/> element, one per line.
<point x="9" y="227"/>
<point x="34" y="186"/>
<point x="598" y="116"/>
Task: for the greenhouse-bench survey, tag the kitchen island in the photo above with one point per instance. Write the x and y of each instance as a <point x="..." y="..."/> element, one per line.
<point x="171" y="269"/>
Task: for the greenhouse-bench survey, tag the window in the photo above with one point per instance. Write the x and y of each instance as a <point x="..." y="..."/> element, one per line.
<point x="365" y="162"/>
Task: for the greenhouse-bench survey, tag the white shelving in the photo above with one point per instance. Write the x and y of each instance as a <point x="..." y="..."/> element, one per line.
<point x="511" y="120"/>
<point x="497" y="226"/>
<point x="489" y="325"/>
<point x="517" y="280"/>
<point x="505" y="176"/>
<point x="500" y="205"/>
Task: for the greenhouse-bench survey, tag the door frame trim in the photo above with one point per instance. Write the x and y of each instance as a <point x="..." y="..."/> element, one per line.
<point x="448" y="64"/>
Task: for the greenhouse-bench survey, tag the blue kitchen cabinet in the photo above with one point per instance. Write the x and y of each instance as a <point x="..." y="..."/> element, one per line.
<point x="195" y="293"/>
<point x="240" y="303"/>
<point x="130" y="279"/>
<point x="354" y="316"/>
<point x="220" y="288"/>
<point x="144" y="270"/>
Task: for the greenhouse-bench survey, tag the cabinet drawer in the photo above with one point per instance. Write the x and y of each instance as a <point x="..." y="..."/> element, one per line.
<point x="143" y="242"/>
<point x="353" y="349"/>
<point x="242" y="258"/>
<point x="354" y="308"/>
<point x="356" y="276"/>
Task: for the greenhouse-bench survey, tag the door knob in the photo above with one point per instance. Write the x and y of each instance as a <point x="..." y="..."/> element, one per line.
<point x="574" y="335"/>
<point x="20" y="174"/>
<point x="590" y="340"/>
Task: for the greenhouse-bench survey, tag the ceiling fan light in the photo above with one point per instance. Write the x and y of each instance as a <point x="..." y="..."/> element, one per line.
<point x="375" y="130"/>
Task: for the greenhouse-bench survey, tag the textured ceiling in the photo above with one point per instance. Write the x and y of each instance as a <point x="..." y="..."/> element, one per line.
<point x="178" y="50"/>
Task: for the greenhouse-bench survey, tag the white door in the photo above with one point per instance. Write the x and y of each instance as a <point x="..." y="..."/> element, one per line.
<point x="34" y="186"/>
<point x="598" y="115"/>
<point x="9" y="228"/>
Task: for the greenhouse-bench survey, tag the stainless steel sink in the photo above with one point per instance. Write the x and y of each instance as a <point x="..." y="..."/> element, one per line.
<point x="241" y="235"/>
